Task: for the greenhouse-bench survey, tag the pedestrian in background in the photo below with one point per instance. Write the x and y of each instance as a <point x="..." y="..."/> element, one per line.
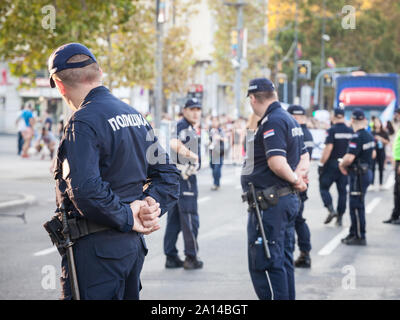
<point x="216" y="147"/>
<point x="28" y="132"/>
<point x="381" y="141"/>
<point x="20" y="123"/>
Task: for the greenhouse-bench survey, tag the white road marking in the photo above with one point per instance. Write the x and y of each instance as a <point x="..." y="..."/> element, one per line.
<point x="203" y="199"/>
<point x="389" y="182"/>
<point x="332" y="245"/>
<point x="371" y="206"/>
<point x="28" y="199"/>
<point x="45" y="252"/>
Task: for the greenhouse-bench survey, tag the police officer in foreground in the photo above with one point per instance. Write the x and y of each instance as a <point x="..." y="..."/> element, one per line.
<point x="336" y="143"/>
<point x="107" y="154"/>
<point x="357" y="163"/>
<point x="301" y="227"/>
<point x="276" y="166"/>
<point x="185" y="151"/>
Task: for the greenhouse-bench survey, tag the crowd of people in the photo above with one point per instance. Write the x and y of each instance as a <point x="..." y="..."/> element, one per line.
<point x="37" y="134"/>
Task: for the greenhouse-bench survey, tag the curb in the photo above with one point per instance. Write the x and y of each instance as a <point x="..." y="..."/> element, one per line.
<point x="28" y="199"/>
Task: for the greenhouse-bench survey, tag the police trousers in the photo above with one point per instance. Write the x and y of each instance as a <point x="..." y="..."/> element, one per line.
<point x="108" y="266"/>
<point x="396" y="193"/>
<point x="273" y="279"/>
<point x="330" y="175"/>
<point x="357" y="204"/>
<point x="301" y="227"/>
<point x="183" y="217"/>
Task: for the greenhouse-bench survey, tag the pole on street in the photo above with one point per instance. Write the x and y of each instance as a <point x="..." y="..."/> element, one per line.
<point x="296" y="34"/>
<point x="321" y="102"/>
<point x="158" y="92"/>
<point x="239" y="52"/>
<point x="328" y="70"/>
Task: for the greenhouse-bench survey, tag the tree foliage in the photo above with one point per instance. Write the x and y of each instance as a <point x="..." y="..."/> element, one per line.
<point x="120" y="33"/>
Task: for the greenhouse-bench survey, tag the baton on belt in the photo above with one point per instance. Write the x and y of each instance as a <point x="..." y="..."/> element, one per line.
<point x="70" y="255"/>
<point x="260" y="223"/>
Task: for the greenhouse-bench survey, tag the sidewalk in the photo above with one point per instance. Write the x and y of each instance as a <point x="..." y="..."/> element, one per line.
<point x="15" y="169"/>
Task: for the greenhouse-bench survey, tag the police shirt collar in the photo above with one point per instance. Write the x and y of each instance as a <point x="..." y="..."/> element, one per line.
<point x="190" y="125"/>
<point x="271" y="107"/>
<point x="92" y="93"/>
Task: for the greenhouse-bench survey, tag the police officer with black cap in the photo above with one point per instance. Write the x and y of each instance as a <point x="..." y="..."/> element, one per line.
<point x="185" y="151"/>
<point x="107" y="153"/>
<point x="357" y="163"/>
<point x="275" y="168"/>
<point x="336" y="144"/>
<point x="301" y="227"/>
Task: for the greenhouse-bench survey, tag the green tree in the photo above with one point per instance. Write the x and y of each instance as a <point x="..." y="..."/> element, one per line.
<point x="120" y="33"/>
<point x="258" y="51"/>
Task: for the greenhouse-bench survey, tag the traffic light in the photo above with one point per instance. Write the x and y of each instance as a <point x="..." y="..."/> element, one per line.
<point x="328" y="80"/>
<point x="234" y="42"/>
<point x="304" y="69"/>
<point x="282" y="78"/>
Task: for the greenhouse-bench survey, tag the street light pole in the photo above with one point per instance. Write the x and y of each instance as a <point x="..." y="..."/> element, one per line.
<point x="239" y="52"/>
<point x="295" y="54"/>
<point x="158" y="92"/>
<point x="321" y="102"/>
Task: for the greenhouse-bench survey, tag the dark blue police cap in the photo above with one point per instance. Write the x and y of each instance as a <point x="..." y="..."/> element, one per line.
<point x="296" y="110"/>
<point x="260" y="84"/>
<point x="192" y="103"/>
<point x="358" y="114"/>
<point x="58" y="59"/>
<point x="339" y="112"/>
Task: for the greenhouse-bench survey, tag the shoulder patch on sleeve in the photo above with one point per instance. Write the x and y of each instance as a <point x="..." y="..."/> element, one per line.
<point x="353" y="145"/>
<point x="269" y="133"/>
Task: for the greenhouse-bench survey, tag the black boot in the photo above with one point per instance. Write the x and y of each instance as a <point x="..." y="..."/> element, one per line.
<point x="173" y="262"/>
<point x="332" y="214"/>
<point x="303" y="261"/>
<point x="354" y="241"/>
<point x="339" y="220"/>
<point x="396" y="221"/>
<point x="390" y="220"/>
<point x="192" y="263"/>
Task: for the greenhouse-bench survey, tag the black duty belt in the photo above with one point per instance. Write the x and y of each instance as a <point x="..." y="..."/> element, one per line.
<point x="81" y="227"/>
<point x="268" y="197"/>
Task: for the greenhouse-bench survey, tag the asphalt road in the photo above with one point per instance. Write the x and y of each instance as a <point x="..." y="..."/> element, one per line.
<point x="29" y="266"/>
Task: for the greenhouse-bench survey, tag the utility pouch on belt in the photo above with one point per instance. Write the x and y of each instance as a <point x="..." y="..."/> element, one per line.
<point x="77" y="228"/>
<point x="268" y="197"/>
<point x="54" y="228"/>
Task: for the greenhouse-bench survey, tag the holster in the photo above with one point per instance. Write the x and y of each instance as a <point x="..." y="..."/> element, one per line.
<point x="77" y="228"/>
<point x="268" y="197"/>
<point x="54" y="228"/>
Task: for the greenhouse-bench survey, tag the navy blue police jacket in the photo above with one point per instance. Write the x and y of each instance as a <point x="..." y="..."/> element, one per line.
<point x="339" y="135"/>
<point x="308" y="139"/>
<point x="107" y="154"/>
<point x="186" y="133"/>
<point x="278" y="134"/>
<point x="362" y="145"/>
